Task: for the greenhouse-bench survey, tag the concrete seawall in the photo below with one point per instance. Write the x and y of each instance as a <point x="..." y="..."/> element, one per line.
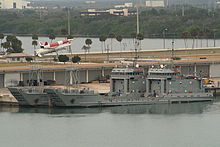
<point x="146" y="54"/>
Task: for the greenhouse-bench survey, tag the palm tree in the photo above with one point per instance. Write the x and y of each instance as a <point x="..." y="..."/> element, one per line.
<point x="64" y="32"/>
<point x="2" y="36"/>
<point x="34" y="43"/>
<point x="185" y="35"/>
<point x="111" y="36"/>
<point x="102" y="39"/>
<point x="119" y="39"/>
<point x="69" y="37"/>
<point x="88" y="42"/>
<point x="34" y="37"/>
<point x="201" y="34"/>
<point x="140" y="37"/>
<point x="133" y="36"/>
<point x="194" y="33"/>
<point x="85" y="48"/>
<point x="52" y="37"/>
<point x="207" y="32"/>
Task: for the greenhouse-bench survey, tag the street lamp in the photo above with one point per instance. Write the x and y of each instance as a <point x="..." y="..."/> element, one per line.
<point x="214" y="30"/>
<point x="164" y="35"/>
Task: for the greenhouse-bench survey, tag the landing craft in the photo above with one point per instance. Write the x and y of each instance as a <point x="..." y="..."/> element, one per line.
<point x="46" y="48"/>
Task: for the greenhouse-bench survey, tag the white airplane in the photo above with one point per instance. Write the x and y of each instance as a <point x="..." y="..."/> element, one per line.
<point x="46" y="48"/>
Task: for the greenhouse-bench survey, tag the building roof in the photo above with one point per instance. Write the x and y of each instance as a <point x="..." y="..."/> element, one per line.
<point x="16" y="55"/>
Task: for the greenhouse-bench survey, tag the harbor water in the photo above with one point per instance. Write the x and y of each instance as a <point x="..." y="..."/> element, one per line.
<point x="126" y="44"/>
<point x="175" y="125"/>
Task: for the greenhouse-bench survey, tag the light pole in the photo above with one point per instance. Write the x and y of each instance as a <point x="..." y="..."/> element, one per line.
<point x="214" y="30"/>
<point x="164" y="35"/>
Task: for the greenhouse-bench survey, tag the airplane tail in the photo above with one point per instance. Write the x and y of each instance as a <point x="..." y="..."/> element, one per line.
<point x="41" y="43"/>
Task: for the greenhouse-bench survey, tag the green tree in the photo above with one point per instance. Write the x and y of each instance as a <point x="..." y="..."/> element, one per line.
<point x="52" y="37"/>
<point x="119" y="39"/>
<point x="2" y="36"/>
<point x="34" y="43"/>
<point x="140" y="37"/>
<point x="207" y="33"/>
<point x="185" y="35"/>
<point x="64" y="32"/>
<point x="28" y="59"/>
<point x="133" y="36"/>
<point x="63" y="58"/>
<point x="102" y="39"/>
<point x="194" y="30"/>
<point x="88" y="42"/>
<point x="69" y="37"/>
<point x="34" y="37"/>
<point x="111" y="36"/>
<point x="13" y="44"/>
<point x="76" y="59"/>
<point x="6" y="45"/>
<point x="85" y="48"/>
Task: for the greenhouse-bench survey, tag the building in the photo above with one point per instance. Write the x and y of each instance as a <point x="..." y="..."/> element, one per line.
<point x="14" y="4"/>
<point x="121" y="12"/>
<point x="126" y="5"/>
<point x="153" y="3"/>
<point x="16" y="57"/>
<point x="118" y="12"/>
<point x="92" y="12"/>
<point x="90" y="2"/>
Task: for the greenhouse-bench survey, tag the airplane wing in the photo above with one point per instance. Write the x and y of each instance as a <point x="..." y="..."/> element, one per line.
<point x="58" y="47"/>
<point x="62" y="46"/>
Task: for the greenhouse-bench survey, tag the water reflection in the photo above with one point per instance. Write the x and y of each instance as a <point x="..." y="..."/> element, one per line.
<point x="9" y="109"/>
<point x="191" y="108"/>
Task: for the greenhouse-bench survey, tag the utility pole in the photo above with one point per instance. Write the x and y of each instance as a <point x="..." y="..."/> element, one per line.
<point x="183" y="10"/>
<point x="68" y="13"/>
<point x="138" y="28"/>
<point x="164" y="36"/>
<point x="69" y="31"/>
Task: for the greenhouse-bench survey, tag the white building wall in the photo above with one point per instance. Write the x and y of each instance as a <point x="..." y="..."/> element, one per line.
<point x="153" y="3"/>
<point x="9" y="4"/>
<point x="128" y="4"/>
<point x="16" y="59"/>
<point x="215" y="70"/>
<point x="12" y="79"/>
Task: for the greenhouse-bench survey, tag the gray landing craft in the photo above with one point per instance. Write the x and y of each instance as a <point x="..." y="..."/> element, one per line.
<point x="128" y="86"/>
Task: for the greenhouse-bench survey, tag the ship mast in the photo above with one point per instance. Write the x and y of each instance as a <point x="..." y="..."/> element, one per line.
<point x="172" y="53"/>
<point x="136" y="39"/>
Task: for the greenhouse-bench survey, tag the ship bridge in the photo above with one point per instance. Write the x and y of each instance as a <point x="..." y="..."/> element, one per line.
<point x="127" y="80"/>
<point x="163" y="73"/>
<point x="127" y="71"/>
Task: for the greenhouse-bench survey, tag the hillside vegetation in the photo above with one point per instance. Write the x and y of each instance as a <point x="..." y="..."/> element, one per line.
<point x="196" y="22"/>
